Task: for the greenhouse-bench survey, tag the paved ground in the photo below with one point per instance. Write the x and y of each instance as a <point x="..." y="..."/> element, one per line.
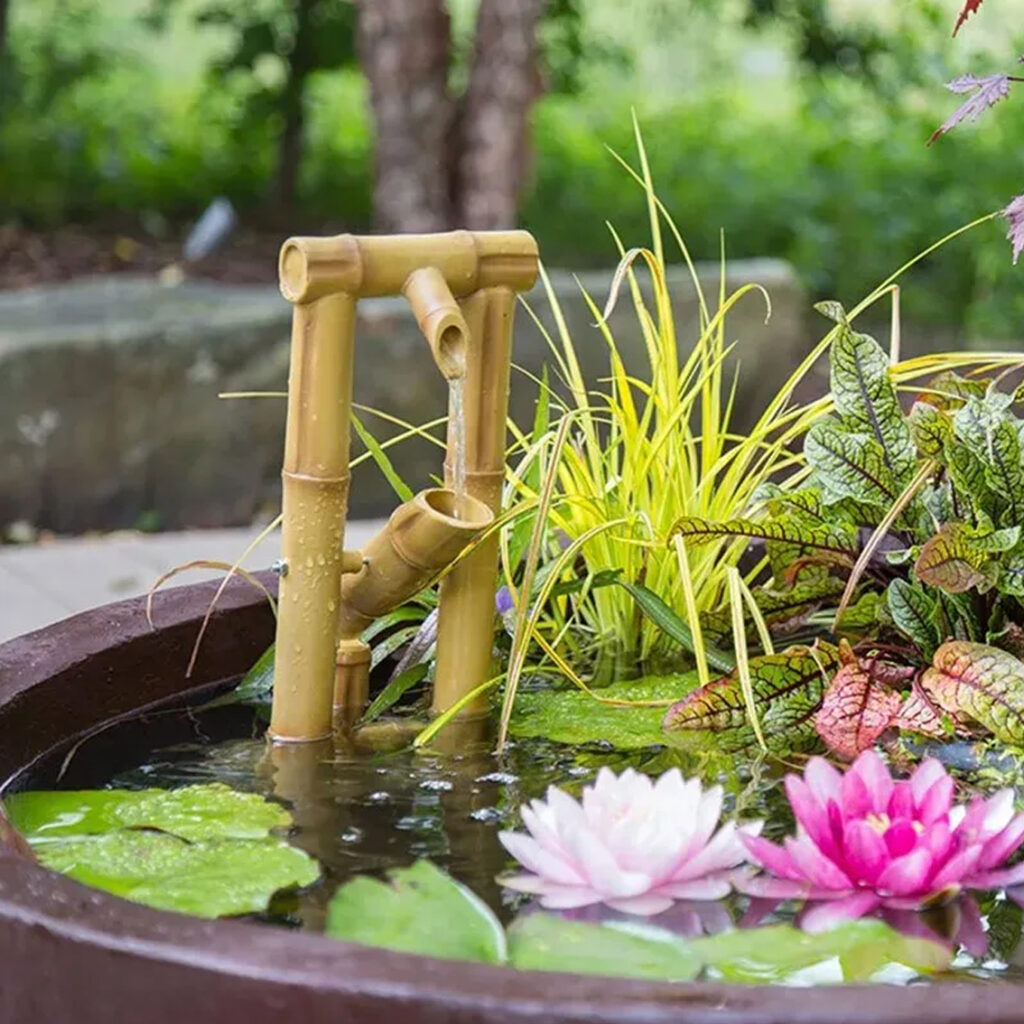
<point x="44" y="583"/>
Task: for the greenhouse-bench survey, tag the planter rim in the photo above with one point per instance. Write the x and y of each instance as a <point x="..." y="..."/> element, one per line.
<point x="46" y="916"/>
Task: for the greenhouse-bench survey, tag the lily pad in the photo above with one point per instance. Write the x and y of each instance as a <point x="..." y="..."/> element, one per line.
<point x="771" y="954"/>
<point x="210" y="878"/>
<point x="204" y="850"/>
<point x="543" y="942"/>
<point x="574" y="717"/>
<point x="423" y="911"/>
<point x="213" y="811"/>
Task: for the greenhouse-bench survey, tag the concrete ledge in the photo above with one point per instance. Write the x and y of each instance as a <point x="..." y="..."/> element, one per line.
<point x="108" y="389"/>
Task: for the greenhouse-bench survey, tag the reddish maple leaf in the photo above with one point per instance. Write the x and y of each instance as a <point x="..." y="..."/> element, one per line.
<point x="1014" y="213"/>
<point x="969" y="8"/>
<point x="986" y="92"/>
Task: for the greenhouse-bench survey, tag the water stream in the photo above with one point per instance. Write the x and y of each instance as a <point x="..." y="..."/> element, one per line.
<point x="457" y="433"/>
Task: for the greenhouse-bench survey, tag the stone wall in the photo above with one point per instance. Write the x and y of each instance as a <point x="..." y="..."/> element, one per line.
<point x="109" y="415"/>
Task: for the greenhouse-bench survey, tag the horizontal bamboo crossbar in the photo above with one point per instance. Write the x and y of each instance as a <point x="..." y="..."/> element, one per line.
<point x="364" y="266"/>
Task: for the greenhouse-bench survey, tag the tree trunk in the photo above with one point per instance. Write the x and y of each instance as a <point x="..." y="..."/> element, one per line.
<point x="503" y="85"/>
<point x="293" y="115"/>
<point x="4" y="9"/>
<point x="405" y="48"/>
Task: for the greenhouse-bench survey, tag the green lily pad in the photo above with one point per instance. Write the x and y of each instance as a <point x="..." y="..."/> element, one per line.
<point x="213" y="811"/>
<point x="210" y="878"/>
<point x="204" y="850"/>
<point x="574" y="717"/>
<point x="543" y="942"/>
<point x="771" y="954"/>
<point x="422" y="910"/>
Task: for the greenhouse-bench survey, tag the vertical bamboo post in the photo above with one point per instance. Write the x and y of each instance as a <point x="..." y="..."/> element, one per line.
<point x="315" y="480"/>
<point x="466" y="614"/>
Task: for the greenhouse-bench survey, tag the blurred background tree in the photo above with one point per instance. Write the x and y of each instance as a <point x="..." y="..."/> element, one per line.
<point x="797" y="127"/>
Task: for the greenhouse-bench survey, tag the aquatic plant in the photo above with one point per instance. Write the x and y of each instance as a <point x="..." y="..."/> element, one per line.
<point x="865" y="841"/>
<point x="631" y="843"/>
<point x="904" y="542"/>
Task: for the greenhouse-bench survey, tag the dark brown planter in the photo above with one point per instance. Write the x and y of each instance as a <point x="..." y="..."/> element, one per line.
<point x="71" y="954"/>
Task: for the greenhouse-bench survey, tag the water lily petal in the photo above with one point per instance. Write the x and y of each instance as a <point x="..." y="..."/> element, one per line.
<point x="726" y="850"/>
<point x="600" y="869"/>
<point x="812" y="814"/>
<point x="642" y="906"/>
<point x="907" y="874"/>
<point x="536" y="858"/>
<point x="970" y="930"/>
<point x="935" y="803"/>
<point x="925" y="775"/>
<point x="713" y="888"/>
<point x="772" y="858"/>
<point x="874" y="773"/>
<point x="815" y="866"/>
<point x="824" y="781"/>
<point x="1002" y="845"/>
<point x="569" y="899"/>
<point x="770" y="887"/>
<point x="998" y="879"/>
<point x="820" y="917"/>
<point x="900" y="838"/>
<point x="866" y="853"/>
<point x="961" y="865"/>
<point x="523" y="882"/>
<point x="901" y="803"/>
<point x="999" y="811"/>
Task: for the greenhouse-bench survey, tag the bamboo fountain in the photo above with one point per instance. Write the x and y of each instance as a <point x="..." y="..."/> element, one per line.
<point x="462" y="288"/>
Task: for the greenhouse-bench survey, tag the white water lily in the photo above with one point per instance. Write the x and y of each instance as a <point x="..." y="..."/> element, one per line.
<point x="631" y="843"/>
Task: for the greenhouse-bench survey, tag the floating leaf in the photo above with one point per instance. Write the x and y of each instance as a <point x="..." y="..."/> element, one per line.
<point x="956" y="560"/>
<point x="575" y="717"/>
<point x="210" y="878"/>
<point x="850" y="465"/>
<point x="912" y="610"/>
<point x="771" y="954"/>
<point x="787" y="691"/>
<point x="543" y="942"/>
<point x="204" y="850"/>
<point x="855" y="711"/>
<point x="212" y="811"/>
<point x="866" y="401"/>
<point x="422" y="911"/>
<point x="981" y="682"/>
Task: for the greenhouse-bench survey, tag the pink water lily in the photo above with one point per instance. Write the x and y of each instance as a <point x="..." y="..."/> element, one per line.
<point x="865" y="841"/>
<point x="631" y="843"/>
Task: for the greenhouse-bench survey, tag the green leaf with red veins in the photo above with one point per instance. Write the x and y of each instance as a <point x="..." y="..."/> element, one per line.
<point x="930" y="428"/>
<point x="981" y="683"/>
<point x="958" y="559"/>
<point x="802" y="598"/>
<point x="839" y="538"/>
<point x="855" y="711"/>
<point x="787" y="689"/>
<point x="948" y="390"/>
<point x="850" y="465"/>
<point x="866" y="401"/>
<point x="912" y="609"/>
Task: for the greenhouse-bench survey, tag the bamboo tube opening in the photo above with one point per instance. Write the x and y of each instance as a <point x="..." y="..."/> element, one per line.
<point x="439" y="318"/>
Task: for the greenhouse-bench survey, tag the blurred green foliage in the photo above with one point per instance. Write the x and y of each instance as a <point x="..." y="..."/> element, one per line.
<point x="830" y="171"/>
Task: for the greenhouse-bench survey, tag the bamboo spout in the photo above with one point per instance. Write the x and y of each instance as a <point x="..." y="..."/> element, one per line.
<point x="440" y="319"/>
<point x="421" y="538"/>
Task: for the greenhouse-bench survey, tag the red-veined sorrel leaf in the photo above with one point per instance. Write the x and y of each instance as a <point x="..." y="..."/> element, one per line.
<point x="930" y="427"/>
<point x="838" y="537"/>
<point x="954" y="561"/>
<point x="854" y="712"/>
<point x="980" y="682"/>
<point x="970" y="7"/>
<point x="787" y="689"/>
<point x="850" y="465"/>
<point x="913" y="611"/>
<point x="1014" y="213"/>
<point x="867" y="402"/>
<point x="986" y="91"/>
<point x="918" y="714"/>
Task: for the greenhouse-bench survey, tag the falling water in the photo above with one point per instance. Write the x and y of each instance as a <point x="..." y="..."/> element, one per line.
<point x="457" y="434"/>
